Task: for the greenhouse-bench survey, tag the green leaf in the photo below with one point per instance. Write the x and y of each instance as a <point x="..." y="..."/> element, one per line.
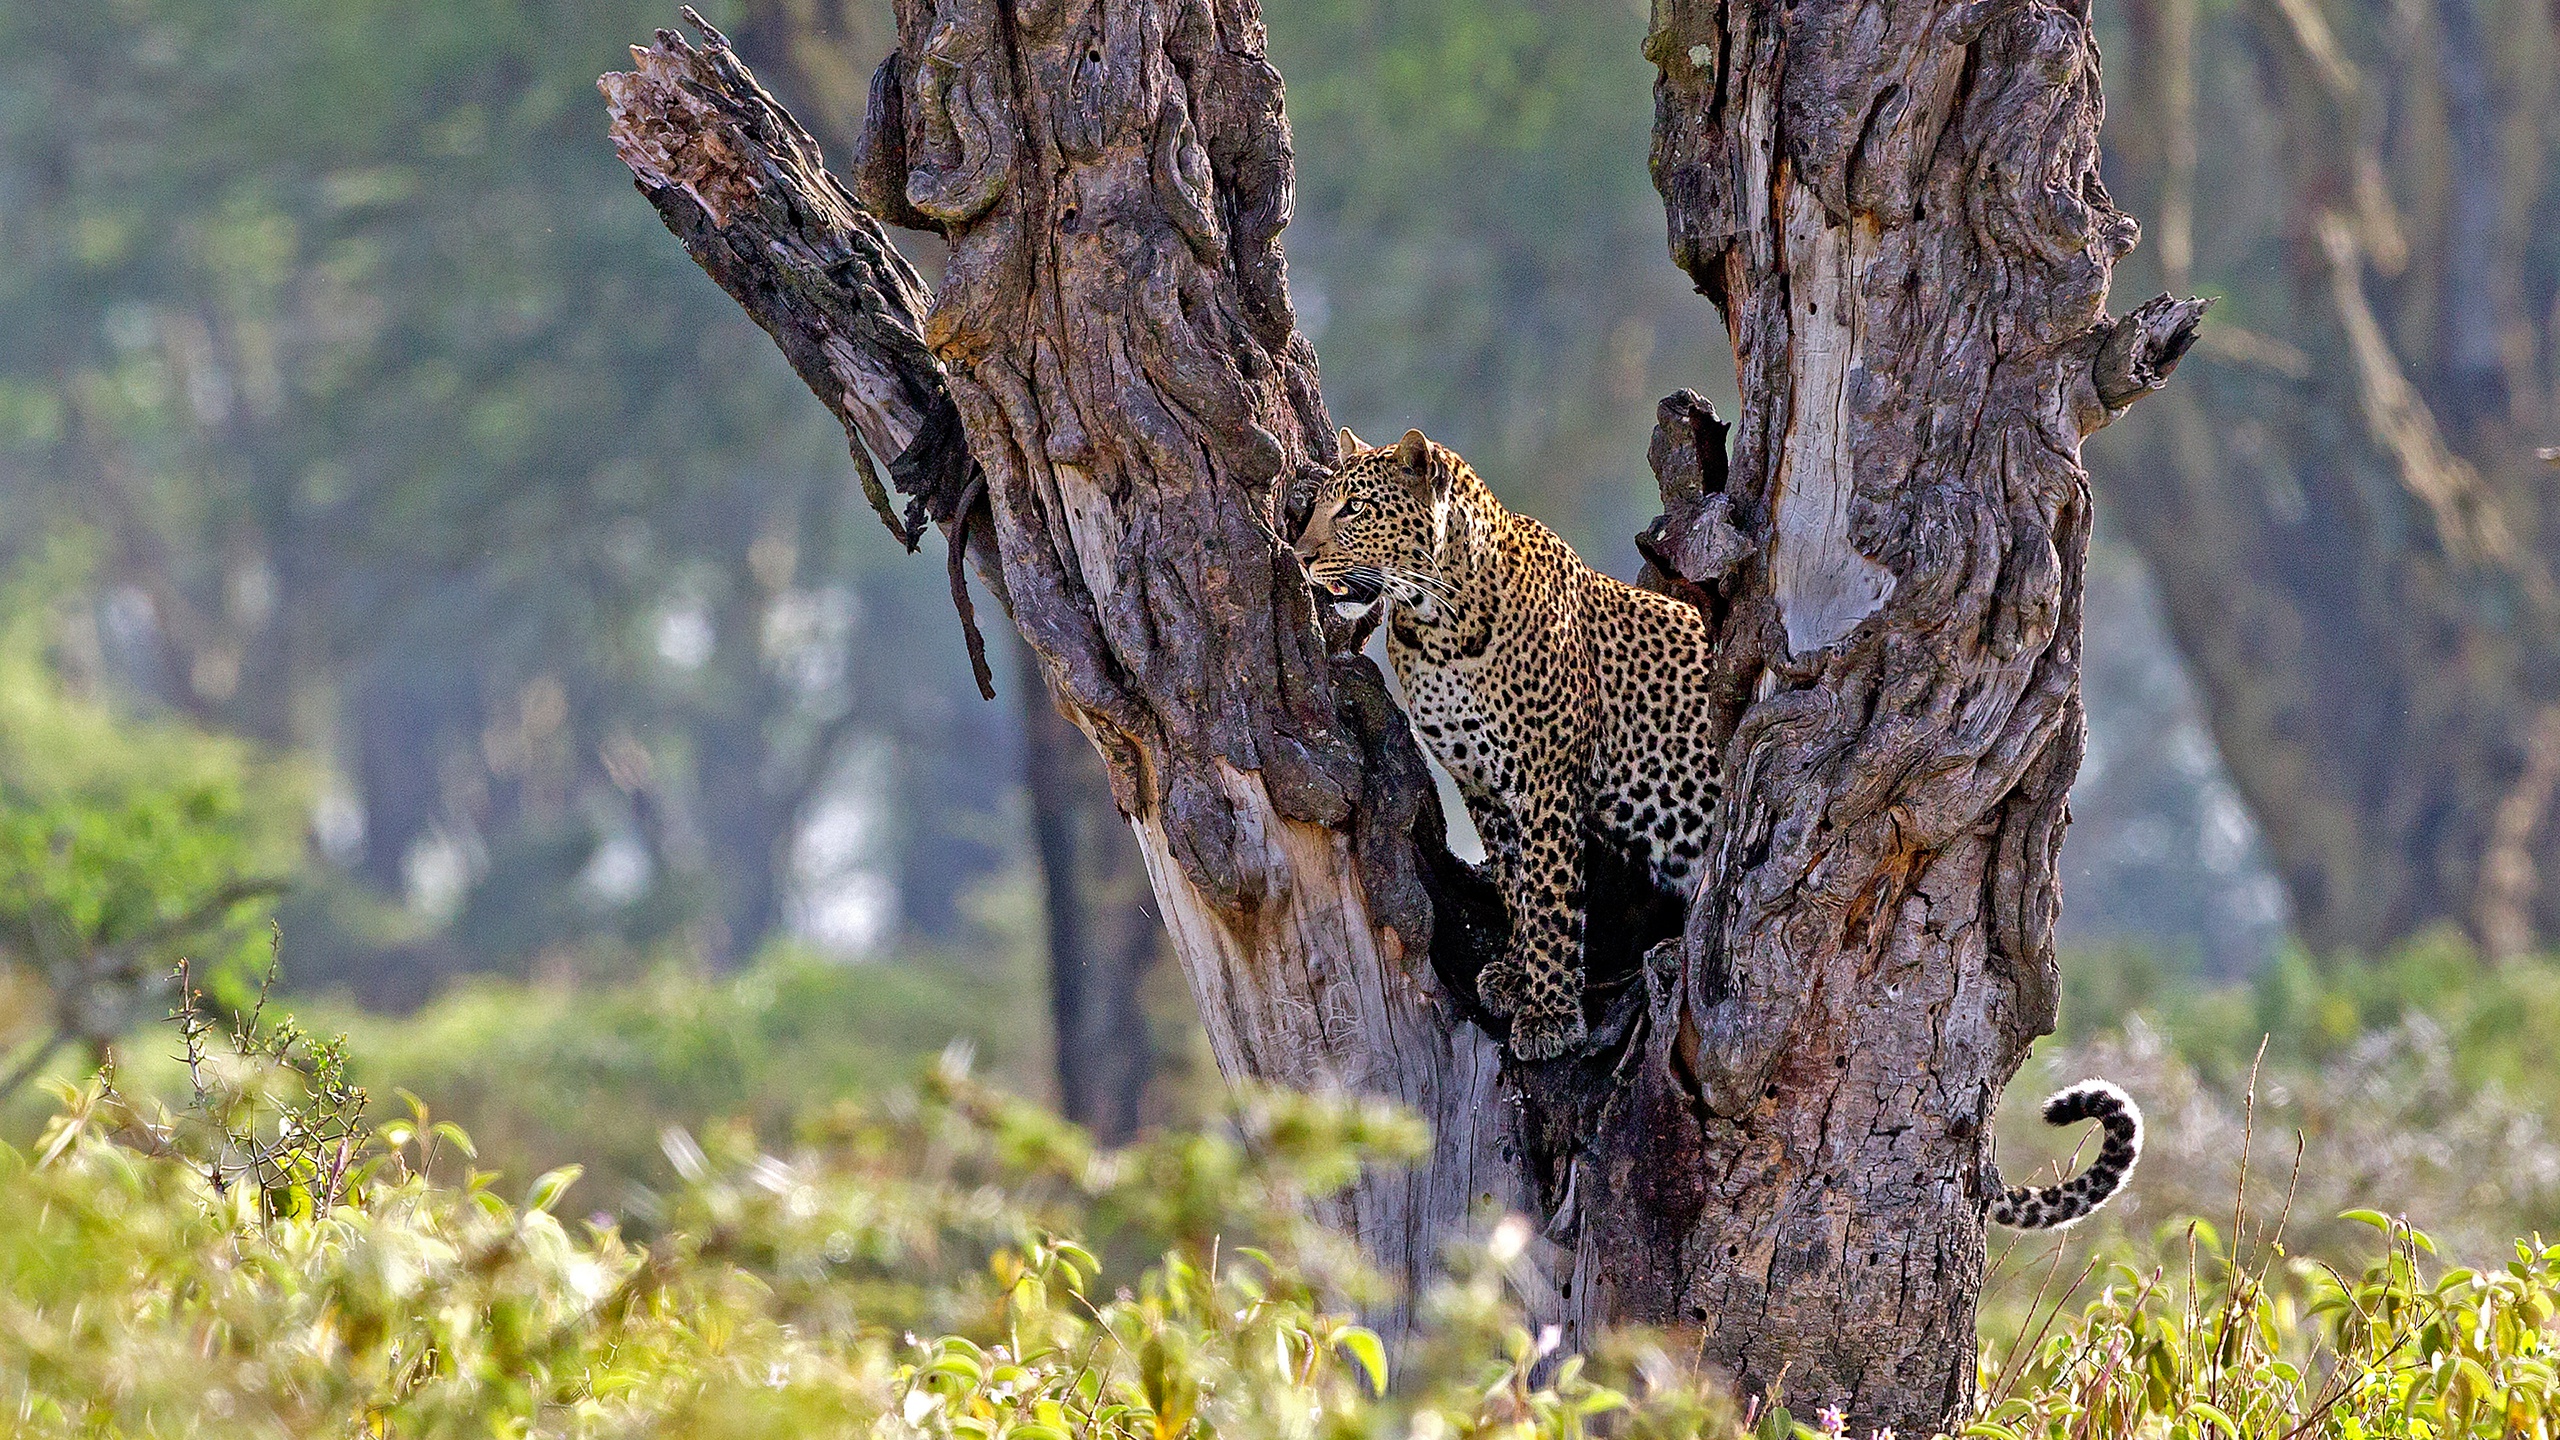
<point x="1599" y="1401"/>
<point x="1364" y="1346"/>
<point x="2206" y="1410"/>
<point x="550" y="1186"/>
<point x="455" y="1136"/>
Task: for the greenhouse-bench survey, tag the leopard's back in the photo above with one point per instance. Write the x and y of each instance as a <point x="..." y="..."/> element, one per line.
<point x="1655" y="775"/>
<point x="1578" y="682"/>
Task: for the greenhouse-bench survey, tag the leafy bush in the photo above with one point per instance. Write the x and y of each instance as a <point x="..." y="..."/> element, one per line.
<point x="2287" y="1347"/>
<point x="904" y="1269"/>
<point x="123" y="844"/>
<point x="951" y="1262"/>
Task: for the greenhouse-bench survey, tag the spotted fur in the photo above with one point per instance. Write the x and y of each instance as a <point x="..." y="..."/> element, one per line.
<point x="1569" y="706"/>
<point x="2068" y="1203"/>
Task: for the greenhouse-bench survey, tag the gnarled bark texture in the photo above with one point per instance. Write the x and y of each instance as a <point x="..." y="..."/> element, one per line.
<point x="1780" y="1150"/>
<point x="1897" y="209"/>
<point x="1102" y="406"/>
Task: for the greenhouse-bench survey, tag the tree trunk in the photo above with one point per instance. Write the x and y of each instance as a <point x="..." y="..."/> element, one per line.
<point x="1899" y="215"/>
<point x="1102" y="939"/>
<point x="1112" y="399"/>
<point x="1780" y="1151"/>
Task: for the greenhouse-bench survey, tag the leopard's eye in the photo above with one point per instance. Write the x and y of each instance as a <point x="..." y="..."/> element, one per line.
<point x="1346" y="510"/>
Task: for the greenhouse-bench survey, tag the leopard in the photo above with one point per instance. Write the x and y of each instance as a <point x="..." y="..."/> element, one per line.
<point x="1571" y="708"/>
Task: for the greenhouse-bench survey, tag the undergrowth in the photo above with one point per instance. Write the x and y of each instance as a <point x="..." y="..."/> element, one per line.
<point x="258" y="1259"/>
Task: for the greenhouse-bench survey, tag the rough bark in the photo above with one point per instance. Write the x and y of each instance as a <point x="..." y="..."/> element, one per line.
<point x="1102" y="939"/>
<point x="1780" y="1150"/>
<point x="1898" y="211"/>
<point x="1101" y="405"/>
<point x="2344" y="523"/>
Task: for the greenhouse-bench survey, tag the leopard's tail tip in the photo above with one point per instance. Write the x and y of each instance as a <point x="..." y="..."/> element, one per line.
<point x="2074" y="1199"/>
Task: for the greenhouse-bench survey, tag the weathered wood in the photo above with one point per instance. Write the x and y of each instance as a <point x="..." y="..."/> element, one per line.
<point x="1779" y="1148"/>
<point x="1897" y="208"/>
<point x="1110" y="355"/>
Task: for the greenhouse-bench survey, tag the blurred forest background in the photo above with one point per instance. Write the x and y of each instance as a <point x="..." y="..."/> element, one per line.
<point x="404" y="549"/>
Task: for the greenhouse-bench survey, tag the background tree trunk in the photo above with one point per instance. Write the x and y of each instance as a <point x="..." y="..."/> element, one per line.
<point x="2354" y="548"/>
<point x="1781" y="1150"/>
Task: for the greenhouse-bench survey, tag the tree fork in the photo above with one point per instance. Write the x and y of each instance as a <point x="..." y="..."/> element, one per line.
<point x="1794" y="1090"/>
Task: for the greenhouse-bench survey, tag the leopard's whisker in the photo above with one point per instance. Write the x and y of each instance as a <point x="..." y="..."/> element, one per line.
<point x="1427" y="583"/>
<point x="1410" y="589"/>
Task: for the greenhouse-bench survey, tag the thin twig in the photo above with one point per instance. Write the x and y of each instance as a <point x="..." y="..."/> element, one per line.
<point x="2009" y="1374"/>
<point x="2237" y="1289"/>
<point x="2009" y="1362"/>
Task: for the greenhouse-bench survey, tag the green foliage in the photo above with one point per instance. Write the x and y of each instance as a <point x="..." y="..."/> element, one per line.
<point x="905" y="1268"/>
<point x="123" y="842"/>
<point x="545" y="1075"/>
<point x="2495" y="1017"/>
<point x="2405" y="1348"/>
<point x="948" y="1261"/>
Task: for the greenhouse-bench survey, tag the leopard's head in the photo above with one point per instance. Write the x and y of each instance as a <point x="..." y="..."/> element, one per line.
<point x="1373" y="536"/>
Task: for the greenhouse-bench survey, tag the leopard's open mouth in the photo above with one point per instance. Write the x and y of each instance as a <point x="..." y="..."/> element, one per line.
<point x="1351" y="595"/>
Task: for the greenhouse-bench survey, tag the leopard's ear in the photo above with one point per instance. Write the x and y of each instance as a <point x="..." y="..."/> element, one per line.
<point x="1347" y="444"/>
<point x="1420" y="462"/>
<point x="1413" y="452"/>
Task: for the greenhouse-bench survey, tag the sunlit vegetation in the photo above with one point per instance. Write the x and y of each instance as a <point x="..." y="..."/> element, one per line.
<point x="260" y="1260"/>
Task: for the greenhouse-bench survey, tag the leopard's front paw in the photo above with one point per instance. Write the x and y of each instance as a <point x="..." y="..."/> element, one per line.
<point x="1502" y="985"/>
<point x="1547" y="1034"/>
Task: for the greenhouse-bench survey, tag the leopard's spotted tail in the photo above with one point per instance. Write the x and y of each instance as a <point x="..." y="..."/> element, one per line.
<point x="2072" y="1200"/>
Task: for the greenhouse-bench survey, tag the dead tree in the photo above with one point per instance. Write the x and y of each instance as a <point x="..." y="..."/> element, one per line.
<point x="1780" y="1149"/>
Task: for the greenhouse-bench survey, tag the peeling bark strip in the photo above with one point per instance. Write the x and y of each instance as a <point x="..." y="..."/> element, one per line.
<point x="1896" y="206"/>
<point x="1780" y="1148"/>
